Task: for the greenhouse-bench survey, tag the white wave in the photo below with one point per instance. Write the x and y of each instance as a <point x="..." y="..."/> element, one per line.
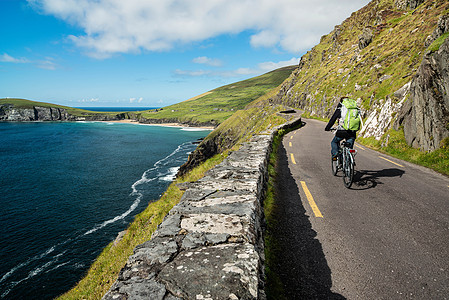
<point x="171" y="174"/>
<point x="120" y="217"/>
<point x="135" y="192"/>
<point x="57" y="267"/>
<point x="10" y="272"/>
<point x="36" y="257"/>
<point x="195" y="129"/>
<point x="37" y="270"/>
<point x="149" y="175"/>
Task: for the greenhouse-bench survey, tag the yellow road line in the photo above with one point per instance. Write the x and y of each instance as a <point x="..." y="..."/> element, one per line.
<point x="391" y="161"/>
<point x="293" y="158"/>
<point x="290" y="144"/>
<point x="360" y="147"/>
<point x="291" y="137"/>
<point x="312" y="203"/>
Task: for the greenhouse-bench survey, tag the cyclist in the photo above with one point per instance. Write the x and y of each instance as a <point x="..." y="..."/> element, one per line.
<point x="349" y="135"/>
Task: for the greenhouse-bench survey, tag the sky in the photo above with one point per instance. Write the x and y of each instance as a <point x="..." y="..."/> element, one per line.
<point x="152" y="53"/>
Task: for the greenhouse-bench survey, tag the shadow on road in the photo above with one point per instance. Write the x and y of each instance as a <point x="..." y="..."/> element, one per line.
<point x="300" y="261"/>
<point x="365" y="179"/>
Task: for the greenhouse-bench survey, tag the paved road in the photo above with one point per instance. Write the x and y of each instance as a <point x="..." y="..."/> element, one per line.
<point x="385" y="238"/>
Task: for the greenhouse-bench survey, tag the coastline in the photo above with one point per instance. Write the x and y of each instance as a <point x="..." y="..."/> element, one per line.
<point x="177" y="125"/>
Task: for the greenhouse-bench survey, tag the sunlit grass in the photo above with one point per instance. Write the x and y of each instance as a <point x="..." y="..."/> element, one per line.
<point x="396" y="146"/>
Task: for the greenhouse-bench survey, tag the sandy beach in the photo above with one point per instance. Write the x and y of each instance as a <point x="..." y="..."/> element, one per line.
<point x="160" y="124"/>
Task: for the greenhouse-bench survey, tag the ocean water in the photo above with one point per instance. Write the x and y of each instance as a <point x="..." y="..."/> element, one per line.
<point x="67" y="189"/>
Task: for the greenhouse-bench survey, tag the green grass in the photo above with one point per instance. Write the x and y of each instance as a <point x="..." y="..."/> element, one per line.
<point x="219" y="104"/>
<point x="104" y="271"/>
<point x="437" y="160"/>
<point x="435" y="46"/>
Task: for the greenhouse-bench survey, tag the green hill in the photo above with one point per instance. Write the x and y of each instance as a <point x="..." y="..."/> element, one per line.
<point x="219" y="104"/>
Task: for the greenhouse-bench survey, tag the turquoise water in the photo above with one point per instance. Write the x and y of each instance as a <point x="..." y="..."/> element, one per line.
<point x="67" y="189"/>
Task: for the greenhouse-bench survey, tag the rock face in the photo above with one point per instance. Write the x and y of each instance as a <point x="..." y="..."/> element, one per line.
<point x="425" y="116"/>
<point x="442" y="27"/>
<point x="408" y="4"/>
<point x="210" y="245"/>
<point x="9" y="113"/>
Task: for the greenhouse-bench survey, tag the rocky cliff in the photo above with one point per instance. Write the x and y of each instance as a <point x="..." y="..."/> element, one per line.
<point x="14" y="113"/>
<point x="387" y="56"/>
<point x="8" y="112"/>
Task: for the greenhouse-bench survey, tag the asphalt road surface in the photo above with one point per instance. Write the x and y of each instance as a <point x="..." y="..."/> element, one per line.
<point x="385" y="238"/>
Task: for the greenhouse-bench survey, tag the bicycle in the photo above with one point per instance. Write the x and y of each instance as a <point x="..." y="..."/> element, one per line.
<point x="345" y="162"/>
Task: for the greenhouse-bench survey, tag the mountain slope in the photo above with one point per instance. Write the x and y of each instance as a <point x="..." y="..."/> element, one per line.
<point x="373" y="56"/>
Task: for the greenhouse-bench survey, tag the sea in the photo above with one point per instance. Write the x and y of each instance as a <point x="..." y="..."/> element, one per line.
<point x="68" y="189"/>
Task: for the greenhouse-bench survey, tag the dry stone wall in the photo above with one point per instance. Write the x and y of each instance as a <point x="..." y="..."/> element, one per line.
<point x="210" y="245"/>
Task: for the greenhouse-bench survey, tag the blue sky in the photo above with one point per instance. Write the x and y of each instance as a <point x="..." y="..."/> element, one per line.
<point x="151" y="53"/>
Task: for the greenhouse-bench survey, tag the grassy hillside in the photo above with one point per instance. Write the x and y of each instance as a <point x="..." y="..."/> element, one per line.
<point x="337" y="66"/>
<point x="371" y="73"/>
<point x="219" y="104"/>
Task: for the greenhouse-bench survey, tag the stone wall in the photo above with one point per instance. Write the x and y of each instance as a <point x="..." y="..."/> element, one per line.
<point x="210" y="245"/>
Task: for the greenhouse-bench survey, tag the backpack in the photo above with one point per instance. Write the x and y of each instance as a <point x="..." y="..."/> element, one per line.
<point x="350" y="115"/>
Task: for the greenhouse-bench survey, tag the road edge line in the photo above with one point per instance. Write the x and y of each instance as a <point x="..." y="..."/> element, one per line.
<point x="312" y="203"/>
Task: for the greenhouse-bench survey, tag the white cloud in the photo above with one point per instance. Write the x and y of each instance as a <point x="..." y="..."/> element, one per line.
<point x="132" y="100"/>
<point x="269" y="66"/>
<point x="213" y="62"/>
<point x="47" y="64"/>
<point x="261" y="68"/>
<point x="7" y="58"/>
<point x="89" y="100"/>
<point x="117" y="26"/>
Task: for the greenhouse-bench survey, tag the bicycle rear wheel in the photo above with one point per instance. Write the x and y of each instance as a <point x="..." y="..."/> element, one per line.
<point x="348" y="173"/>
<point x="334" y="166"/>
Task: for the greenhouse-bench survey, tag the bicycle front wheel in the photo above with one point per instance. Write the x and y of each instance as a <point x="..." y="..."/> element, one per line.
<point x="348" y="173"/>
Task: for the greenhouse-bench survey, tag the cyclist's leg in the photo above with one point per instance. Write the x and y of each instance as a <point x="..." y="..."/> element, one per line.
<point x="335" y="145"/>
<point x="351" y="141"/>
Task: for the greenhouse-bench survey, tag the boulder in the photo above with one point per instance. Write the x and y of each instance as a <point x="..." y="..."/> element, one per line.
<point x="365" y="38"/>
